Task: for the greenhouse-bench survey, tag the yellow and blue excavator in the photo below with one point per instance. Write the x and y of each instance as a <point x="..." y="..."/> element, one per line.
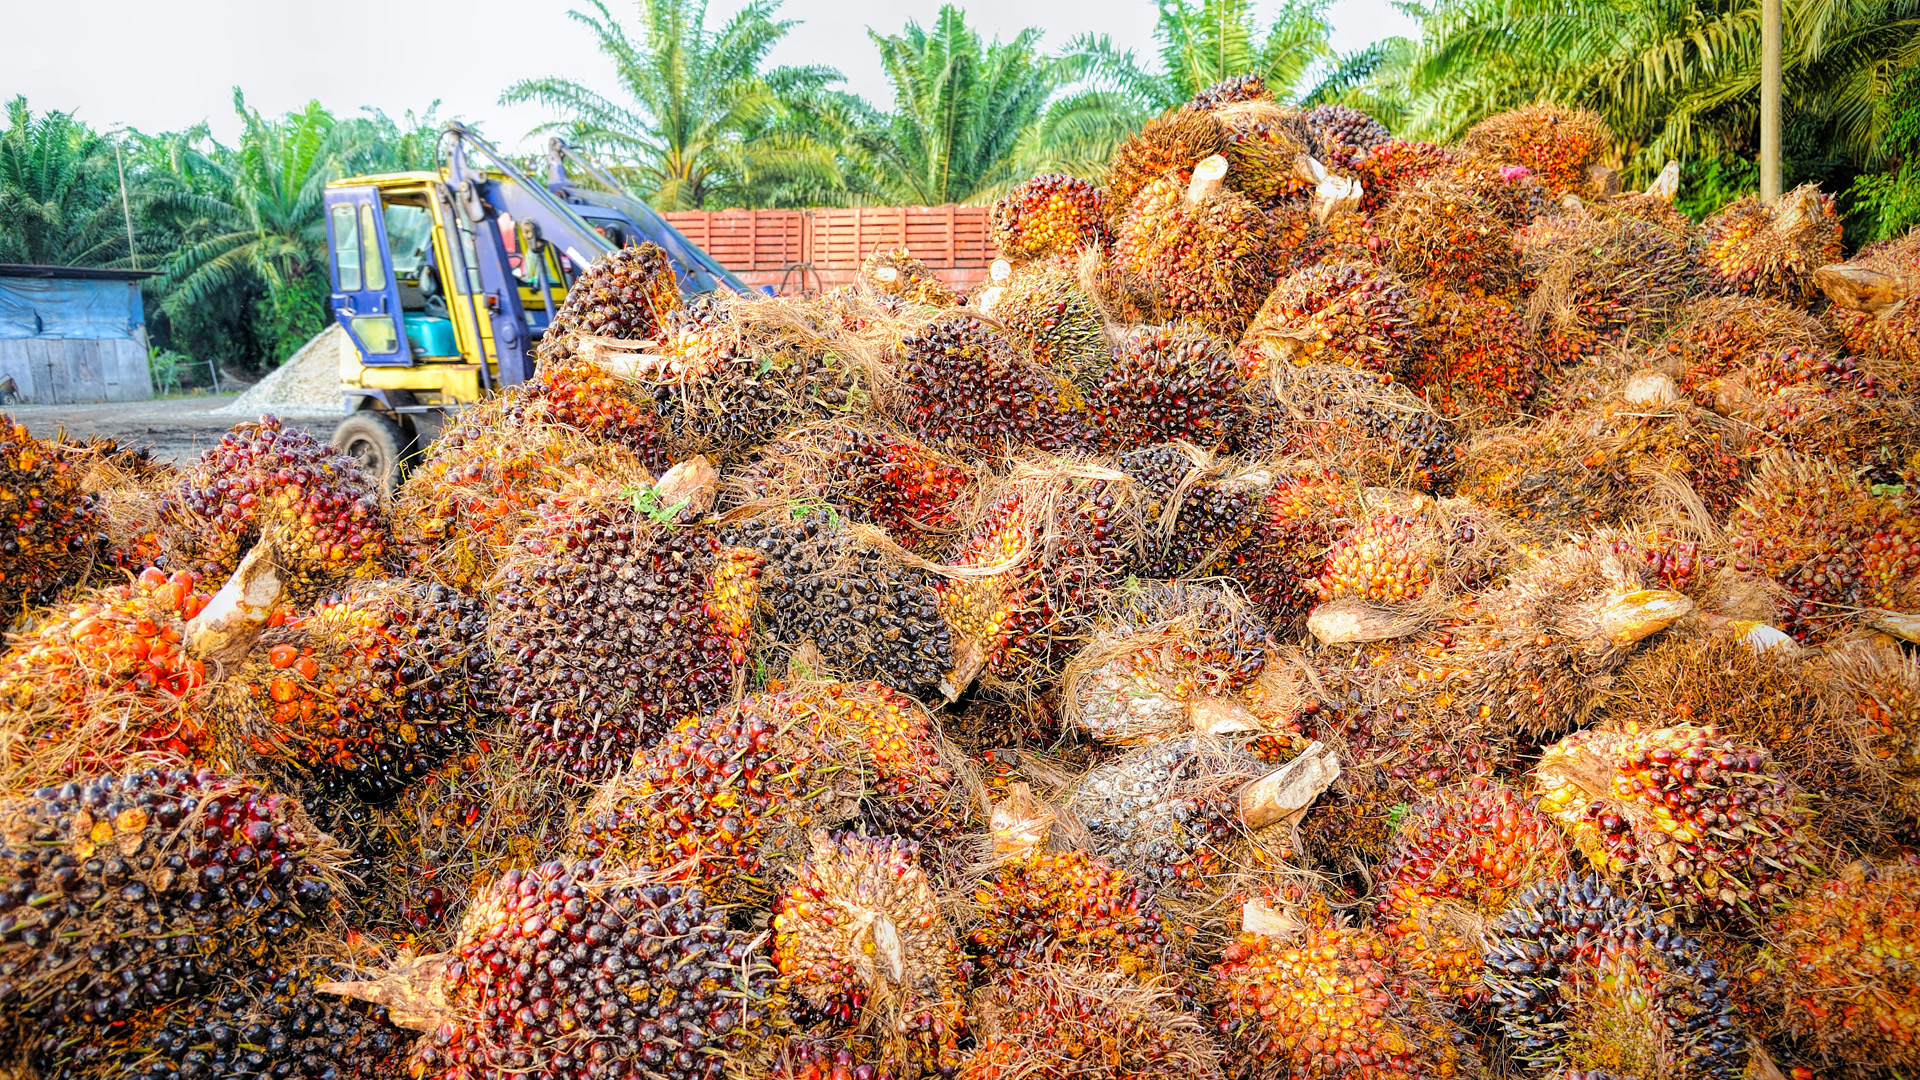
<point x="445" y="280"/>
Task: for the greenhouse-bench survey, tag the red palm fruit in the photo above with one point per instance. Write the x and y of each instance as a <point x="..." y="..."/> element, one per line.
<point x="1302" y="516"/>
<point x="1683" y="814"/>
<point x="1086" y="1023"/>
<point x="967" y="387"/>
<point x="1844" y="961"/>
<point x="1475" y="356"/>
<point x="125" y="892"/>
<point x="1751" y="248"/>
<point x="1211" y="259"/>
<point x="1441" y="228"/>
<point x="365" y="693"/>
<point x="1050" y="214"/>
<point x="1868" y="312"/>
<point x="1555" y="143"/>
<point x="1331" y="1003"/>
<point x="103" y="679"/>
<point x="1331" y="313"/>
<point x="860" y="939"/>
<point x="625" y="294"/>
<point x="1883" y="689"/>
<point x="324" y="514"/>
<point x="1392" y="165"/>
<point x="1456" y="859"/>
<point x="586" y="395"/>
<point x="1173" y="143"/>
<point x="51" y="528"/>
<point x="1172" y="382"/>
<point x="1601" y="280"/>
<point x="896" y="273"/>
<point x="1070" y="906"/>
<point x="1363" y="424"/>
<point x="1716" y="335"/>
<point x="868" y="474"/>
<point x="1387" y="558"/>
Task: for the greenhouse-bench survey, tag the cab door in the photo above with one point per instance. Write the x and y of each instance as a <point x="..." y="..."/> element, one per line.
<point x="366" y="297"/>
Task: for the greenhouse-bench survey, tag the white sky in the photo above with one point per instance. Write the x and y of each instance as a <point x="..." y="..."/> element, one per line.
<point x="167" y="65"/>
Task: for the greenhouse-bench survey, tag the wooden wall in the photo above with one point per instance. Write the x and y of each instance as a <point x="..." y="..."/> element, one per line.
<point x="75" y="370"/>
<point x="764" y="246"/>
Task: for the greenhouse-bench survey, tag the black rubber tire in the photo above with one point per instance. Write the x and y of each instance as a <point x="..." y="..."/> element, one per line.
<point x="377" y="442"/>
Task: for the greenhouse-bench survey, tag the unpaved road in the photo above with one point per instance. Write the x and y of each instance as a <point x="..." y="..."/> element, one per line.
<point x="177" y="429"/>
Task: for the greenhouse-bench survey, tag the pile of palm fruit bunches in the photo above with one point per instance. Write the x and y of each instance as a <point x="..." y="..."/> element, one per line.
<point x="1328" y="606"/>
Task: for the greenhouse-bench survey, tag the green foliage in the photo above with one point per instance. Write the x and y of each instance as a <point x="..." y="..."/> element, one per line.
<point x="163" y="368"/>
<point x="1887" y="203"/>
<point x="700" y="124"/>
<point x="59" y="192"/>
<point x="1706" y="186"/>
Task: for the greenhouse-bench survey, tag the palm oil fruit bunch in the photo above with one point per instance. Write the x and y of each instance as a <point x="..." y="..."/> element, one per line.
<point x="264" y="480"/>
<point x="1206" y="249"/>
<point x="102" y="678"/>
<point x="1231" y="90"/>
<point x="582" y="393"/>
<point x="1344" y="135"/>
<point x="866" y="618"/>
<point x="1173" y="143"/>
<point x="1555" y="143"/>
<point x="1191" y="524"/>
<point x="1392" y="165"/>
<point x="896" y="273"/>
<point x="968" y="387"/>
<point x="50" y="530"/>
<point x="1771" y="251"/>
<point x="365" y="693"/>
<point x="1265" y="142"/>
<point x="874" y="476"/>
<point x="1050" y="214"/>
<point x="1475" y="356"/>
<point x="1600" y="280"/>
<point x="1363" y="423"/>
<point x="860" y="941"/>
<point x="625" y="295"/>
<point x="1062" y="1022"/>
<point x="1388" y="558"/>
<point x="1582" y="979"/>
<point x="568" y="970"/>
<point x="1456" y="859"/>
<point x="1332" y="313"/>
<point x="1882" y="687"/>
<point x="1045" y="306"/>
<point x="1868" y="309"/>
<point x="1682" y="814"/>
<point x="1069" y="906"/>
<point x="1824" y="537"/>
<point x="273" y="1022"/>
<point x="122" y="893"/>
<point x="1302" y="515"/>
<point x="1330" y="1003"/>
<point x="1056" y="535"/>
<point x="720" y="795"/>
<point x="1715" y="335"/>
<point x="1844" y="962"/>
<point x="1172" y="382"/>
<point x="1441" y="229"/>
<point x="461" y="506"/>
<point x="611" y="621"/>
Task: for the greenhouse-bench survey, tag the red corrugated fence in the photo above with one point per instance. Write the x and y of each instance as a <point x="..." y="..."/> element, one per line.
<point x="765" y="247"/>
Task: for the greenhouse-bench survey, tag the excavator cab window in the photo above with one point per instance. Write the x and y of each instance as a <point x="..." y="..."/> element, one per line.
<point x="416" y="270"/>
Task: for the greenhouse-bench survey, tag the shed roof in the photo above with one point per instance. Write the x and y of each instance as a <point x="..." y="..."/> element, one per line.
<point x="72" y="273"/>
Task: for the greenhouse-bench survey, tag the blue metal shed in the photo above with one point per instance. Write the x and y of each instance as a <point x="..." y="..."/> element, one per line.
<point x="71" y="334"/>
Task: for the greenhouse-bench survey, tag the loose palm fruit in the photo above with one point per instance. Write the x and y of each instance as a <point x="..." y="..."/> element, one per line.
<point x="1681" y="813"/>
<point x="1330" y="1004"/>
<point x="1086" y="1023"/>
<point x="1601" y="281"/>
<point x="1361" y="423"/>
<point x="622" y="295"/>
<point x="1194" y="513"/>
<point x="968" y="387"/>
<point x="365" y="693"/>
<point x="866" y="619"/>
<point x="1440" y="229"/>
<point x="1174" y="143"/>
<point x="1828" y="541"/>
<point x="1557" y="144"/>
<point x="1582" y="979"/>
<point x="1172" y="382"/>
<point x="1845" y="961"/>
<point x="1392" y="165"/>
<point x="1047" y="307"/>
<point x="1057" y="535"/>
<point x="461" y="506"/>
<point x="1751" y="248"/>
<point x="1071" y="907"/>
<point x="1331" y="313"/>
<point x="1344" y="136"/>
<point x="1050" y="214"/>
<point x="897" y="273"/>
<point x="565" y="970"/>
<point x="860" y="940"/>
<point x="102" y="678"/>
<point x="268" y="1023"/>
<point x="1210" y="260"/>
<point x="125" y="892"/>
<point x="50" y="529"/>
<point x="1475" y="357"/>
<point x="263" y="480"/>
<point x="720" y="798"/>
<point x="1456" y="859"/>
<point x="611" y="622"/>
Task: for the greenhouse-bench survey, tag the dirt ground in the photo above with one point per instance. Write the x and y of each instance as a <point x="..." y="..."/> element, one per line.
<point x="177" y="429"/>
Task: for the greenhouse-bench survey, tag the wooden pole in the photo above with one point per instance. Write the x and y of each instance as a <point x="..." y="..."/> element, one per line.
<point x="1769" y="100"/>
<point x="125" y="208"/>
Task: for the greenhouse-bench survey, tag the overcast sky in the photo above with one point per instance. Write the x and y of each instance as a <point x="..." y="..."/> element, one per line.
<point x="160" y="66"/>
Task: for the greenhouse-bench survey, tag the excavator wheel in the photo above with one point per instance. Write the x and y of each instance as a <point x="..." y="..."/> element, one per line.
<point x="377" y="442"/>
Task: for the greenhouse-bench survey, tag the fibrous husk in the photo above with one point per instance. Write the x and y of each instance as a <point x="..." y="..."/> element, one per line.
<point x="1557" y="144"/>
<point x="1174" y="143"/>
<point x="1363" y="425"/>
<point x="1601" y="280"/>
<point x="1751" y="248"/>
<point x="1058" y="1022"/>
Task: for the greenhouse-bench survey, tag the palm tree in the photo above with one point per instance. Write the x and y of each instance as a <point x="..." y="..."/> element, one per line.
<point x="702" y="124"/>
<point x="252" y="213"/>
<point x="59" y="191"/>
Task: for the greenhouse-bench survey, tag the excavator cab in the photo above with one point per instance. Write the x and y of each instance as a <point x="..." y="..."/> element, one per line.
<point x="445" y="281"/>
